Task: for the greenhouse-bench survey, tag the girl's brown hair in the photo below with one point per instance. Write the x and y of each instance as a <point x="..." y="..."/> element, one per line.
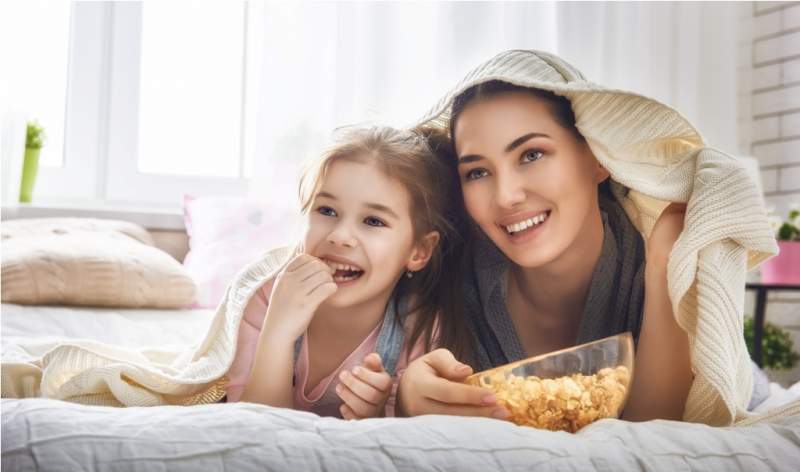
<point x="435" y="203"/>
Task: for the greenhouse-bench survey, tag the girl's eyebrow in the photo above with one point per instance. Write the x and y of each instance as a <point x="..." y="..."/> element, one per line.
<point x="374" y="206"/>
<point x="511" y="146"/>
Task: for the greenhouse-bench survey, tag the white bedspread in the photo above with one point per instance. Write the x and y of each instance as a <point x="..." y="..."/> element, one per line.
<point x="46" y="435"/>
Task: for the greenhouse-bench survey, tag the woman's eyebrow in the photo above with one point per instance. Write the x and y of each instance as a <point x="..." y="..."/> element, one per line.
<point x="518" y="142"/>
<point x="513" y="145"/>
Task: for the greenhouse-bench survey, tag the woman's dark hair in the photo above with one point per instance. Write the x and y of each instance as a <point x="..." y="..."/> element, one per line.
<point x="560" y="107"/>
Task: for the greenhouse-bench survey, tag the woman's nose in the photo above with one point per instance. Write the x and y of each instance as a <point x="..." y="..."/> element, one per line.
<point x="342" y="235"/>
<point x="510" y="189"/>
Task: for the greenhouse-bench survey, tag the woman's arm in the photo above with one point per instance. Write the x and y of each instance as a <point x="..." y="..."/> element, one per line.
<point x="663" y="371"/>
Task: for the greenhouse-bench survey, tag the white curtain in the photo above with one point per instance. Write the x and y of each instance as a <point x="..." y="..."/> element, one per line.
<point x="325" y="65"/>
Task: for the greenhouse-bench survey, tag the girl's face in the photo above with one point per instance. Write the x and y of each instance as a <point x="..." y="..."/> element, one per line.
<point x="360" y="224"/>
<point x="528" y="182"/>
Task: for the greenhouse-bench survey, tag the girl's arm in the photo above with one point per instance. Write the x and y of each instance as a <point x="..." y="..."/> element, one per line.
<point x="297" y="293"/>
<point x="663" y="371"/>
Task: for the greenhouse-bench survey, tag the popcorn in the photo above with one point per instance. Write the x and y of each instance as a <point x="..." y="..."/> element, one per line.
<point x="565" y="403"/>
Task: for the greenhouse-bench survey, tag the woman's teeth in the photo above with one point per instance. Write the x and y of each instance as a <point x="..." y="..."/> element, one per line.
<point x="525" y="224"/>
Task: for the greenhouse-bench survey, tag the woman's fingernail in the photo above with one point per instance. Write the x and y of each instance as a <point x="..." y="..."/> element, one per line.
<point x="342" y="375"/>
<point x="500" y="414"/>
<point x="357" y="370"/>
<point x="463" y="369"/>
<point x="489" y="399"/>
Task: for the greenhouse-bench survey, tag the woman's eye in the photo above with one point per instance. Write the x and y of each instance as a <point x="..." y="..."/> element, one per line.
<point x="475" y="174"/>
<point x="532" y="155"/>
<point x="372" y="221"/>
<point x="327" y="211"/>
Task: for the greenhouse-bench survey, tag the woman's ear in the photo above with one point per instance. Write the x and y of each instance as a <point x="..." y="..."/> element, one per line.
<point x="601" y="173"/>
<point x="422" y="251"/>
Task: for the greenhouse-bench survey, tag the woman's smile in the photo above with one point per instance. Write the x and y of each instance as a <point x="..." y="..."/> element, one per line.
<point x="525" y="227"/>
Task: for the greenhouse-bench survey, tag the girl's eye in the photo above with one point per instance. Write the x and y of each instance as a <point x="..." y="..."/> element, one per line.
<point x="475" y="174"/>
<point x="532" y="155"/>
<point x="372" y="221"/>
<point x="327" y="211"/>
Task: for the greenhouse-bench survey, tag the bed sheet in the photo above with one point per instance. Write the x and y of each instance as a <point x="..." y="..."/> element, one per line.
<point x="124" y="327"/>
<point x="46" y="435"/>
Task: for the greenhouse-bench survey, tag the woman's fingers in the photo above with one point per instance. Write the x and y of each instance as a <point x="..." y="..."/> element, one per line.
<point x="347" y="412"/>
<point x="444" y="364"/>
<point x="438" y="408"/>
<point x="455" y="393"/>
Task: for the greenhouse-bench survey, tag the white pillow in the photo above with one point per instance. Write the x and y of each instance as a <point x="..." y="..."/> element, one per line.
<point x="89" y="262"/>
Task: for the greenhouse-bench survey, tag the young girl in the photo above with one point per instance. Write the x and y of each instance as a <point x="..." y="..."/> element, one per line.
<point x="364" y="293"/>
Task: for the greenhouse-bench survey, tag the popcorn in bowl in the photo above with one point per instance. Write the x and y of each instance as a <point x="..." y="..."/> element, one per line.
<point x="564" y="390"/>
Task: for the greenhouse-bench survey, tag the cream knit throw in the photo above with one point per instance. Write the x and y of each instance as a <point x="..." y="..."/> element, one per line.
<point x="655" y="157"/>
<point x="648" y="148"/>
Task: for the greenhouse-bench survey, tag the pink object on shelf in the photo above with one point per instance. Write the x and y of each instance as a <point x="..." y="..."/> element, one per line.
<point x="783" y="269"/>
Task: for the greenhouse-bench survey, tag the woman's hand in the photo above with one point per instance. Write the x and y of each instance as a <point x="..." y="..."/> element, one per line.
<point x="432" y="385"/>
<point x="298" y="291"/>
<point x="365" y="389"/>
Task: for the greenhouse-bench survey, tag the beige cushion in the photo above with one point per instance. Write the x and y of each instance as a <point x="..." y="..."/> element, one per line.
<point x="78" y="261"/>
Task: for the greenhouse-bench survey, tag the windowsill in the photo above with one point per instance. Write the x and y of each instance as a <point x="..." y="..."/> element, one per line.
<point x="151" y="218"/>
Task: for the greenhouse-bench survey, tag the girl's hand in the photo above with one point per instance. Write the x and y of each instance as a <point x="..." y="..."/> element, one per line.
<point x="432" y="385"/>
<point x="298" y="291"/>
<point x="365" y="389"/>
<point x="664" y="234"/>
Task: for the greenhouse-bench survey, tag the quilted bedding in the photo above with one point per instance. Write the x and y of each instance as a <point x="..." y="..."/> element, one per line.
<point x="43" y="434"/>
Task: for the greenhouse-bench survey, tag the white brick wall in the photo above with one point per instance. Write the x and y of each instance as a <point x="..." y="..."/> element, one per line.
<point x="769" y="127"/>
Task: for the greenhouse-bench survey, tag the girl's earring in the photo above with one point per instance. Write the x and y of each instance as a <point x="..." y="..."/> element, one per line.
<point x="409" y="274"/>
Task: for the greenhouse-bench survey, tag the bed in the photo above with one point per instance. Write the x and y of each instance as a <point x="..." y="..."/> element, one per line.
<point x="45" y="434"/>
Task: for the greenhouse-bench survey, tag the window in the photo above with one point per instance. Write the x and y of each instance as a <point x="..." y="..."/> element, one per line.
<point x="148" y="96"/>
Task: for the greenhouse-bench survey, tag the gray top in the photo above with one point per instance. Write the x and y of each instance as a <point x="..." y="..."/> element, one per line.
<point x="614" y="303"/>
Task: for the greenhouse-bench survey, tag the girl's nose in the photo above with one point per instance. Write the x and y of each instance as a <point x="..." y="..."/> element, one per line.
<point x="510" y="189"/>
<point x="342" y="236"/>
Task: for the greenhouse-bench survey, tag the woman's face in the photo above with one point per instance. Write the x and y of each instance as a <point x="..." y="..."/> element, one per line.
<point x="528" y="182"/>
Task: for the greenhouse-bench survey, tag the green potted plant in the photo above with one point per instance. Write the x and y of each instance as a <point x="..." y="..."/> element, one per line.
<point x="34" y="139"/>
<point x="777" y="348"/>
<point x="785" y="267"/>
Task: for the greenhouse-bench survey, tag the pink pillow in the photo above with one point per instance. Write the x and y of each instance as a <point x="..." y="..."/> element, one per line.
<point x="225" y="234"/>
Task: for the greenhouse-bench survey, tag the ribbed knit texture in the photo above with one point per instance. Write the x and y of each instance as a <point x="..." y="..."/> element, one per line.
<point x="655" y="156"/>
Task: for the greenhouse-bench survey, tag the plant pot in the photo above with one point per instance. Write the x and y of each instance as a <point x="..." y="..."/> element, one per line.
<point x="783" y="269"/>
<point x="30" y="167"/>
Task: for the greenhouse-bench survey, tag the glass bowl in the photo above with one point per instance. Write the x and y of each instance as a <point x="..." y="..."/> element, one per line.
<point x="564" y="390"/>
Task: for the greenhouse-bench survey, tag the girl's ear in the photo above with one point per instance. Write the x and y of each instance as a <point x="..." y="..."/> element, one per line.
<point x="422" y="252"/>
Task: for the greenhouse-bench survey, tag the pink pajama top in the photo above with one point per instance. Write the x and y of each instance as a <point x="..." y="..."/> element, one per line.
<point x="322" y="398"/>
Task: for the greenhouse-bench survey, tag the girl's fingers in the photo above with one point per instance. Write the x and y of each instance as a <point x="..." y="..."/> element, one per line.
<point x="360" y="407"/>
<point x="299" y="261"/>
<point x="367" y="392"/>
<point x="322" y="291"/>
<point x="315" y="281"/>
<point x="378" y="379"/>
<point x="347" y="412"/>
<point x="373" y="362"/>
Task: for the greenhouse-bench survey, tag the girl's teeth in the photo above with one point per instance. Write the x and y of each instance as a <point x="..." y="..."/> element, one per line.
<point x="525" y="224"/>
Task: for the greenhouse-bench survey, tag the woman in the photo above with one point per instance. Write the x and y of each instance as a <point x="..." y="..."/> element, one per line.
<point x="557" y="262"/>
